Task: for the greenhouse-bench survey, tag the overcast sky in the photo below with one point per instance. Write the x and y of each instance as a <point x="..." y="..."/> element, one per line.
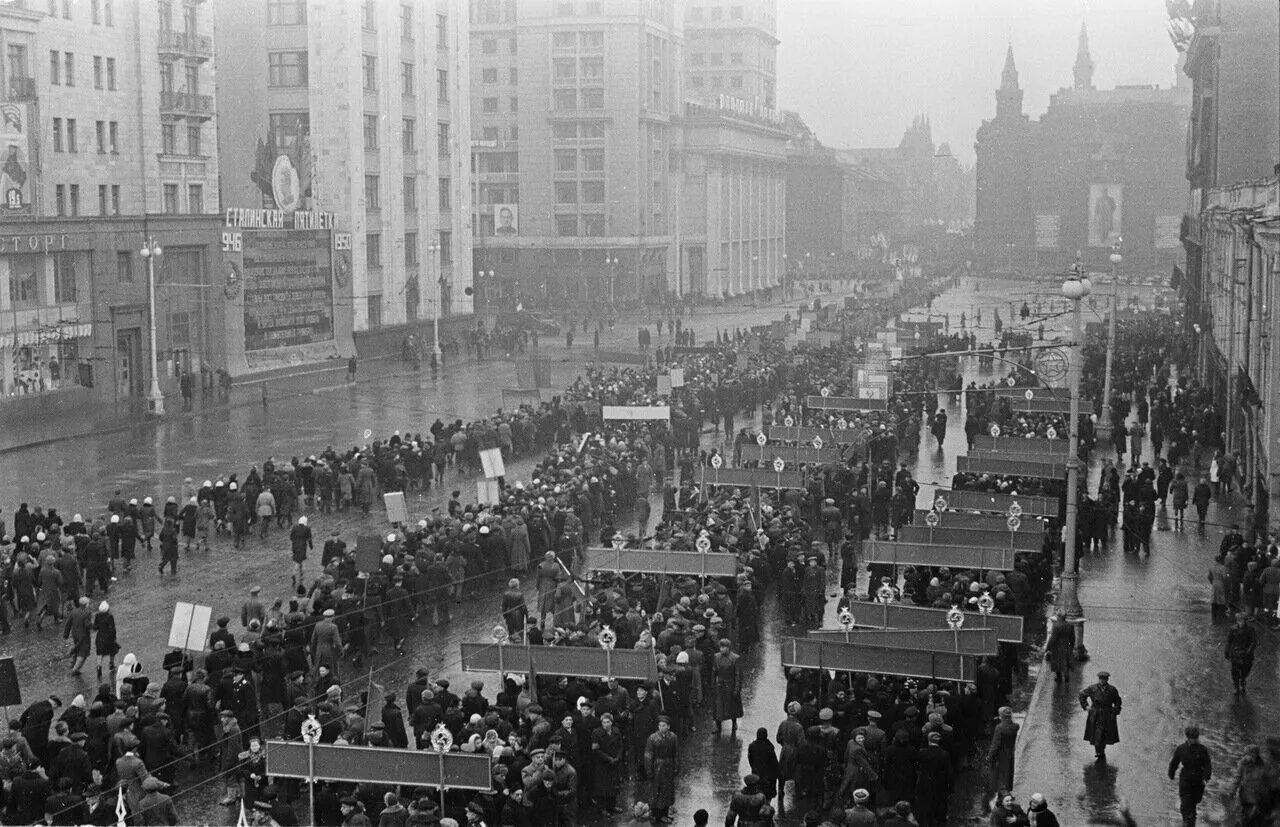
<point x="857" y="71"/>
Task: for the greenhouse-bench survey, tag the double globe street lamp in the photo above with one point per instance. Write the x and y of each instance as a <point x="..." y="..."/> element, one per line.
<point x="150" y="253"/>
<point x="1076" y="288"/>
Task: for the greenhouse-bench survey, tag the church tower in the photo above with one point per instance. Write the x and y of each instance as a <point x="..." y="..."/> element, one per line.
<point x="1009" y="95"/>
<point x="1082" y="72"/>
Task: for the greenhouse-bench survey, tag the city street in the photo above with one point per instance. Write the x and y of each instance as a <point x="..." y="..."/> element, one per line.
<point x="1148" y="619"/>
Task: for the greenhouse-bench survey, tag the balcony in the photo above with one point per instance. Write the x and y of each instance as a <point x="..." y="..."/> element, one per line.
<point x="21" y="90"/>
<point x="177" y="45"/>
<point x="186" y="105"/>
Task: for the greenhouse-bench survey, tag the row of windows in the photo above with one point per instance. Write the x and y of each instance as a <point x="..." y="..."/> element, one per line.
<point x="569" y="68"/>
<point x="592" y="41"/>
<point x="195" y="198"/>
<point x="489" y="106"/>
<point x="104" y="11"/>
<point x="66" y="137"/>
<point x="169" y="140"/>
<point x="567" y="100"/>
<point x="409" y="187"/>
<point x="586" y="160"/>
<point x="24" y="283"/>
<point x="66" y="199"/>
<point x="373" y="249"/>
<point x="489" y="76"/>
<point x="489" y="46"/>
<point x="493" y="133"/>
<point x="584" y="225"/>
<point x="715" y="82"/>
<point x="592" y="192"/>
<point x="578" y="131"/>
<point x="715" y="13"/>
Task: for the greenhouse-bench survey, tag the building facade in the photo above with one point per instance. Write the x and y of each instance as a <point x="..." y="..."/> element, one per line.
<point x="1099" y="166"/>
<point x="1231" y="232"/>
<point x="347" y="123"/>
<point x="732" y="49"/>
<point x="108" y="129"/>
<point x="575" y="105"/>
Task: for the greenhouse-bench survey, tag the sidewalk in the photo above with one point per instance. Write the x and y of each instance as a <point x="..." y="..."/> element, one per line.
<point x="1149" y="625"/>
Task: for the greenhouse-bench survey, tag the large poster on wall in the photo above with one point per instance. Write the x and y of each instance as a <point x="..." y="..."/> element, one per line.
<point x="1106" y="203"/>
<point x="17" y="175"/>
<point x="288" y="288"/>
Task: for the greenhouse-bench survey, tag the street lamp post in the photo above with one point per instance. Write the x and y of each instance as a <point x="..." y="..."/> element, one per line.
<point x="1116" y="258"/>
<point x="155" y="398"/>
<point x="613" y="261"/>
<point x="432" y="249"/>
<point x="1075" y="288"/>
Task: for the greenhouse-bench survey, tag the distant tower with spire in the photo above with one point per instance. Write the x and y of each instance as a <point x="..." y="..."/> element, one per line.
<point x="1009" y="95"/>
<point x="1083" y="70"/>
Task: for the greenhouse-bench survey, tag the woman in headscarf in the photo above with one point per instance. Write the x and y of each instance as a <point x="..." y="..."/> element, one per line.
<point x="105" y="645"/>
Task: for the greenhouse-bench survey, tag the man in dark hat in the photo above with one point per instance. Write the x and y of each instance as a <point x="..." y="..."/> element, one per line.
<point x="662" y="763"/>
<point x="1197" y="767"/>
<point x="1241" y="640"/>
<point x="1102" y="701"/>
<point x="933" y="783"/>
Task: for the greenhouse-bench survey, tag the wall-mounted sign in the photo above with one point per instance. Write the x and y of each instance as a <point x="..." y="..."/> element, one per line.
<point x="250" y="219"/>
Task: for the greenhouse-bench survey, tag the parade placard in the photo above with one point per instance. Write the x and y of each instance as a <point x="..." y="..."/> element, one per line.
<point x="397" y="512"/>
<point x="963" y="641"/>
<point x="637" y="413"/>
<point x="190" y="627"/>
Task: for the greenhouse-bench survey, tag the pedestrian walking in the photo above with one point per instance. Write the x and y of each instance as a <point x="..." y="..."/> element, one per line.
<point x="1201" y="497"/>
<point x="78" y="630"/>
<point x="105" y="645"/>
<point x="1103" y="703"/>
<point x="1059" y="649"/>
<point x="1000" y="753"/>
<point x="1196" y="769"/>
<point x="662" y="764"/>
<point x="1241" y="641"/>
<point x="169" y="546"/>
<point x="300" y="539"/>
<point x="1178" y="488"/>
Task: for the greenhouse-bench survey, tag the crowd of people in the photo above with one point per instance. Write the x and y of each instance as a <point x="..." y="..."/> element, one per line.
<point x="562" y="746"/>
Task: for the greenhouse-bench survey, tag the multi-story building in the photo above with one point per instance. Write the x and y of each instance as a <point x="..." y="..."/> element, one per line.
<point x="354" y="116"/>
<point x="106" y="117"/>
<point x="1231" y="232"/>
<point x="1098" y="166"/>
<point x="574" y="106"/>
<point x="597" y="177"/>
<point x="732" y="49"/>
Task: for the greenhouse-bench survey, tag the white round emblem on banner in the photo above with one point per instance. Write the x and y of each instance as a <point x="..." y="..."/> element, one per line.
<point x="825" y="391"/>
<point x="717" y="461"/>
<point x="846" y="619"/>
<point x="789" y="421"/>
<point x="1030" y="394"/>
<point x="1014" y="523"/>
<point x="1015" y="510"/>
<point x="817" y="443"/>
<point x="940" y="504"/>
<point x="1052" y="433"/>
<point x="932" y="519"/>
<point x="1010" y="381"/>
<point x="311" y="730"/>
<point x="762" y="440"/>
<point x="703" y="544"/>
<point x="955" y="618"/>
<point x="994" y="430"/>
<point x="778" y="465"/>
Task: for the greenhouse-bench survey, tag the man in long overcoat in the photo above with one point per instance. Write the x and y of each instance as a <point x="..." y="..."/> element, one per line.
<point x="1058" y="649"/>
<point x="1103" y="702"/>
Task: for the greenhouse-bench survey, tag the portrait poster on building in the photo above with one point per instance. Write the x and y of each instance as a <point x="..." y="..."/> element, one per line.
<point x="17" y="175"/>
<point x="1106" y="203"/>
<point x="1048" y="228"/>
<point x="506" y="219"/>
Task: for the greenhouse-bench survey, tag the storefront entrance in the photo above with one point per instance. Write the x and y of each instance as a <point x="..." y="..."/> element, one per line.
<point x="129" y="368"/>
